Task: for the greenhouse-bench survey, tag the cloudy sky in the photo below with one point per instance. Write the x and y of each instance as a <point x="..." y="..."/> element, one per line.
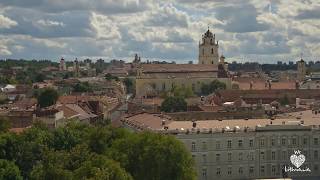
<point x="248" y="30"/>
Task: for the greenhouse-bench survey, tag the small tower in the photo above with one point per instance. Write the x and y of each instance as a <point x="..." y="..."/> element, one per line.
<point x="62" y="65"/>
<point x="208" y="49"/>
<point x="76" y="68"/>
<point x="88" y="63"/>
<point x="301" y="70"/>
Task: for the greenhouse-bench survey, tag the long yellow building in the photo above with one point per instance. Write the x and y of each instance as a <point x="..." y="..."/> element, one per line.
<point x="152" y="79"/>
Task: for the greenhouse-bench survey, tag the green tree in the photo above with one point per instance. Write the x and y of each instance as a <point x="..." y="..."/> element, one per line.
<point x="9" y="171"/>
<point x="109" y="77"/>
<point x="215" y="85"/>
<point x="100" y="167"/>
<point x="48" y="97"/>
<point x="284" y="100"/>
<point x="82" y="87"/>
<point x="129" y="85"/>
<point x="163" y="156"/>
<point x="4" y="124"/>
<point x="174" y="104"/>
<point x="184" y="92"/>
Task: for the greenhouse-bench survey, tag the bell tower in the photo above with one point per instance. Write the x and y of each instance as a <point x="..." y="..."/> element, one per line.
<point x="208" y="49"/>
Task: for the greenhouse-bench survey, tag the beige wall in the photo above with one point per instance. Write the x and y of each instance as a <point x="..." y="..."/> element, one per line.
<point x="166" y="84"/>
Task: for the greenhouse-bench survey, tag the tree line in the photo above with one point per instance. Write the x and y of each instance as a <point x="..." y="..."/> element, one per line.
<point x="80" y="151"/>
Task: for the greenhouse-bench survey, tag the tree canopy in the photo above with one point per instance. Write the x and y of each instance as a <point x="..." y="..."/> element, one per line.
<point x="79" y="151"/>
<point x="184" y="92"/>
<point x="82" y="87"/>
<point x="8" y="170"/>
<point x="47" y="97"/>
<point x="174" y="104"/>
<point x="207" y="89"/>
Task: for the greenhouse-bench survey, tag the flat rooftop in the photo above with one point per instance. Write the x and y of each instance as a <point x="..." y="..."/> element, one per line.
<point x="155" y="122"/>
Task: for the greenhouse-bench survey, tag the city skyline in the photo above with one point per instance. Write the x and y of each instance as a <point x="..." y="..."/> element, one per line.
<point x="248" y="30"/>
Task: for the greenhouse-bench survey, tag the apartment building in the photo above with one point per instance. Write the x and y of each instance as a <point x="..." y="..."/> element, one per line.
<point x="246" y="148"/>
<point x="262" y="152"/>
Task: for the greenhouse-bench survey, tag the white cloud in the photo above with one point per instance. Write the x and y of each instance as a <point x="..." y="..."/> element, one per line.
<point x="6" y="22"/>
<point x="105" y="28"/>
<point x="49" y="23"/>
<point x="159" y="29"/>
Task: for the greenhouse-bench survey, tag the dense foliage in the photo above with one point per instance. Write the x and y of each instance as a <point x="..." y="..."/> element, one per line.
<point x="207" y="89"/>
<point x="109" y="77"/>
<point x="284" y="100"/>
<point x="174" y="104"/>
<point x="47" y="97"/>
<point x="129" y="85"/>
<point x="184" y="92"/>
<point x="82" y="87"/>
<point x="80" y="151"/>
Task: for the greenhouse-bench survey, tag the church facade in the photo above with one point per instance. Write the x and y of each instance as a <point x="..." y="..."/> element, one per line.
<point x="153" y="79"/>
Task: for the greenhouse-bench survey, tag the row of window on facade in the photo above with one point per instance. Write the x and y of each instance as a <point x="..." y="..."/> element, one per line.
<point x="173" y="85"/>
<point x="251" y="156"/>
<point x="275" y="170"/>
<point x="283" y="142"/>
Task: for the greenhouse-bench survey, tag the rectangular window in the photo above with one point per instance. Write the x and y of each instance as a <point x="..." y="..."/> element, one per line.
<point x="240" y="156"/>
<point x="251" y="156"/>
<point x="316" y="155"/>
<point x="315" y="141"/>
<point x="218" y="172"/>
<point x="283" y="141"/>
<point x="229" y="170"/>
<point x="204" y="158"/>
<point x="251" y="170"/>
<point x="229" y="145"/>
<point x="273" y="170"/>
<point x="251" y="143"/>
<point x="217" y="157"/>
<point x="240" y="170"/>
<point x="294" y="141"/>
<point x="261" y="142"/>
<point x="273" y="155"/>
<point x="262" y="156"/>
<point x="262" y="169"/>
<point x="273" y="142"/>
<point x="284" y="155"/>
<point x="305" y="141"/>
<point x="240" y="143"/>
<point x="204" y="146"/>
<point x="204" y="172"/>
<point x="193" y="146"/>
<point x="218" y="145"/>
<point x="229" y="156"/>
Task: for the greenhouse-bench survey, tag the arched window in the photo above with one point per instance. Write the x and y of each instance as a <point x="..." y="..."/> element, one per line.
<point x="212" y="51"/>
<point x="202" y="51"/>
<point x="211" y="41"/>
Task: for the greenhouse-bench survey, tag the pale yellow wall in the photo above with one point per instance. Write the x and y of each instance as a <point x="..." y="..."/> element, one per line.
<point x="142" y="83"/>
